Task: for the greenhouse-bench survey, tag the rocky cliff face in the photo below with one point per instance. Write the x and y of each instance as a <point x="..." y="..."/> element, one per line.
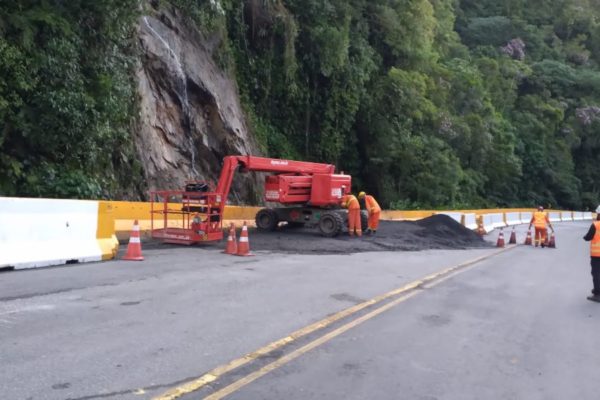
<point x="190" y="112"/>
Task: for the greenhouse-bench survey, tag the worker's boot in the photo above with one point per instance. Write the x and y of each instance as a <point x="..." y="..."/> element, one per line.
<point x="373" y="232"/>
<point x="594" y="297"/>
<point x="368" y="231"/>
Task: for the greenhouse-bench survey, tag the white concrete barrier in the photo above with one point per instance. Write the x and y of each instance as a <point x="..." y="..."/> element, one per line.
<point x="513" y="218"/>
<point x="577" y="216"/>
<point x="454" y="215"/>
<point x="487" y="221"/>
<point x="554" y="216"/>
<point x="526" y="217"/>
<point x="469" y="221"/>
<point x="566" y="216"/>
<point x="588" y="216"/>
<point x="43" y="232"/>
<point x="498" y="220"/>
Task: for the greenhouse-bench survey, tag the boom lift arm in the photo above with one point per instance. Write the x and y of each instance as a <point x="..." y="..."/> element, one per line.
<point x="261" y="164"/>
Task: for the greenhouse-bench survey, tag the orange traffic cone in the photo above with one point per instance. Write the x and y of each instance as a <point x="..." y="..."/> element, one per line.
<point x="528" y="241"/>
<point x="552" y="242"/>
<point x="513" y="237"/>
<point x="134" y="248"/>
<point x="232" y="246"/>
<point x="244" y="244"/>
<point x="500" y="242"/>
<point x="480" y="229"/>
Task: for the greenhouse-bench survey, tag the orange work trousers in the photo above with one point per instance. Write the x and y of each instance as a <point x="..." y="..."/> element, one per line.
<point x="374" y="220"/>
<point x="354" y="222"/>
<point x="540" y="236"/>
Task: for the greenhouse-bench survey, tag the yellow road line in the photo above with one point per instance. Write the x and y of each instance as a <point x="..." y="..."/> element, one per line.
<point x="310" y="346"/>
<point x="217" y="372"/>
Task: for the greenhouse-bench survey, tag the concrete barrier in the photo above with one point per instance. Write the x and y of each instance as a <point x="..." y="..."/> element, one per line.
<point x="454" y="215"/>
<point x="566" y="216"/>
<point x="487" y="221"/>
<point x="498" y="220"/>
<point x="44" y="232"/>
<point x="526" y="217"/>
<point x="469" y="221"/>
<point x="588" y="216"/>
<point x="394" y="215"/>
<point x="577" y="216"/>
<point x="554" y="216"/>
<point x="513" y="218"/>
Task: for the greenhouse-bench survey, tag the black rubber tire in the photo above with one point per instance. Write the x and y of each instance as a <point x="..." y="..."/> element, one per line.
<point x="266" y="220"/>
<point x="330" y="224"/>
<point x="364" y="220"/>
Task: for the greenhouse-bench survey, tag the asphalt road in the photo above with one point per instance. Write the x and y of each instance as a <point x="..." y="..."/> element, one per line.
<point x="512" y="326"/>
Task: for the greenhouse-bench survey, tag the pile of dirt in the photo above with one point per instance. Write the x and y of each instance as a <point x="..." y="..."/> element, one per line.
<point x="436" y="232"/>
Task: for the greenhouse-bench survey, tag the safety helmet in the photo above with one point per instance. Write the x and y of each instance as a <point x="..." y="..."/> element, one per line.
<point x="540" y="208"/>
<point x="598" y="210"/>
<point x="361" y="195"/>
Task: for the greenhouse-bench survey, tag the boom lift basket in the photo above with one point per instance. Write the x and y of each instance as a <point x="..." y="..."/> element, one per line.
<point x="186" y="217"/>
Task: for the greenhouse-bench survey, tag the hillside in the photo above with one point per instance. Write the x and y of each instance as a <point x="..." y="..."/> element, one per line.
<point x="427" y="103"/>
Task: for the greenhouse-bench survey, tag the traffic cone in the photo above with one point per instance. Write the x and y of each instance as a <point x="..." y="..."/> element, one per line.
<point x="513" y="237"/>
<point x="500" y="242"/>
<point x="480" y="229"/>
<point x="232" y="246"/>
<point x="244" y="244"/>
<point x="552" y="242"/>
<point x="134" y="248"/>
<point x="528" y="241"/>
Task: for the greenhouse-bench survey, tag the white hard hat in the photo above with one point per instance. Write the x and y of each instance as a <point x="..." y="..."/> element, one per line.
<point x="598" y="210"/>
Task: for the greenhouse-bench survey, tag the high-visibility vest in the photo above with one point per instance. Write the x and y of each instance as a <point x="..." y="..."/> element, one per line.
<point x="372" y="205"/>
<point x="595" y="243"/>
<point x="539" y="220"/>
<point x="350" y="202"/>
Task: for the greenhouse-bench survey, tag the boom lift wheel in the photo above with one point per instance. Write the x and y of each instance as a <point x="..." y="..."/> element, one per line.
<point x="267" y="220"/>
<point x="364" y="220"/>
<point x="330" y="224"/>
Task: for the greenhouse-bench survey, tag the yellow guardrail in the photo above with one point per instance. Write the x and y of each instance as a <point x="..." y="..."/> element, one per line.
<point x="123" y="214"/>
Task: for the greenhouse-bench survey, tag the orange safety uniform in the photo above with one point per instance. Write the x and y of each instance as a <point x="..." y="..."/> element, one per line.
<point x="595" y="243"/>
<point x="540" y="221"/>
<point x="350" y="202"/>
<point x="374" y="212"/>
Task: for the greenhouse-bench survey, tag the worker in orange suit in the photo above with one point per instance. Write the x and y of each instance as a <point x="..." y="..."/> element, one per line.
<point x="540" y="221"/>
<point x="593" y="236"/>
<point x="350" y="202"/>
<point x="373" y="209"/>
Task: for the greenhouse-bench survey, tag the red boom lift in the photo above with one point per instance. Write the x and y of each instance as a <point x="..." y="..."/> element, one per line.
<point x="309" y="195"/>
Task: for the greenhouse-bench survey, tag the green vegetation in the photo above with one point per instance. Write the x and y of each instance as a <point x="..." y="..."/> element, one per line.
<point x="66" y="97"/>
<point x="427" y="103"/>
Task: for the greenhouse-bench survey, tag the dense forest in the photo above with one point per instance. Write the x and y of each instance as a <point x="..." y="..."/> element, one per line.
<point x="427" y="103"/>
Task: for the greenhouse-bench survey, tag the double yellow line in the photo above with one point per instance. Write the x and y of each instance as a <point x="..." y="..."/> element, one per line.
<point x="407" y="291"/>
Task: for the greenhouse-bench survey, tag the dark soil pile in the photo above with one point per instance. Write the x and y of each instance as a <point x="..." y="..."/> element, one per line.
<point x="436" y="232"/>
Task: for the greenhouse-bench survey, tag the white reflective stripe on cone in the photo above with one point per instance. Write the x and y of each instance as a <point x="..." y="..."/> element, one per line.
<point x="134" y="240"/>
<point x="136" y="228"/>
<point x="243" y="239"/>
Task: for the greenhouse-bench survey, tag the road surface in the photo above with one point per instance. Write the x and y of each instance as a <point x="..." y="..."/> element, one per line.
<point x="464" y="324"/>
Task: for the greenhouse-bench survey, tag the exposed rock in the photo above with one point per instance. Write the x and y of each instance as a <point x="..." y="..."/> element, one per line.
<point x="190" y="113"/>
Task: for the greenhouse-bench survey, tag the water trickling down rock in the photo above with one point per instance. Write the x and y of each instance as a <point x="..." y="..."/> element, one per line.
<point x="190" y="114"/>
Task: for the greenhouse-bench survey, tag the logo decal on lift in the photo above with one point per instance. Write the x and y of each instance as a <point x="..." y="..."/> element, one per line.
<point x="336" y="193"/>
<point x="272" y="195"/>
<point x="279" y="162"/>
